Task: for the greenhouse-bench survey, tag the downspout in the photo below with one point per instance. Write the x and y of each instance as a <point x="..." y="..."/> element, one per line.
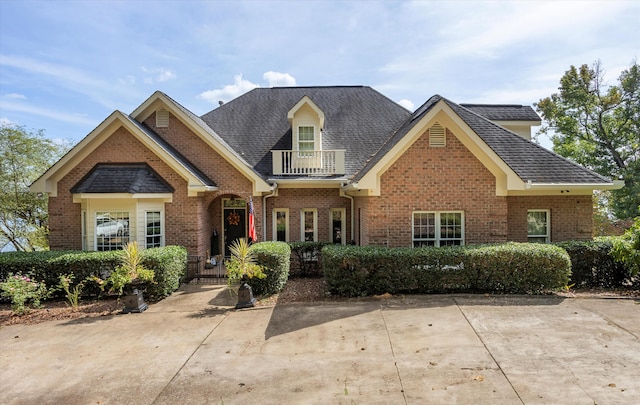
<point x="274" y="193"/>
<point x="343" y="194"/>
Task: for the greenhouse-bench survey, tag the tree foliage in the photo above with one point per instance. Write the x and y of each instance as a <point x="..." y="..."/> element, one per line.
<point x="24" y="156"/>
<point x="598" y="126"/>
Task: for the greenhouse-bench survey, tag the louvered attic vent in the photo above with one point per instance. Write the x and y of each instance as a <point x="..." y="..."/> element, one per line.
<point x="162" y="119"/>
<point x="437" y="138"/>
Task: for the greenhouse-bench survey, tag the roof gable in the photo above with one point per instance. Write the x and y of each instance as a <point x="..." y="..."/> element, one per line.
<point x="517" y="163"/>
<point x="196" y="180"/>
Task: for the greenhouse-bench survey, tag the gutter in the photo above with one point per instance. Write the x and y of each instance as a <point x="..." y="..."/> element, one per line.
<point x="273" y="193"/>
<point x="615" y="185"/>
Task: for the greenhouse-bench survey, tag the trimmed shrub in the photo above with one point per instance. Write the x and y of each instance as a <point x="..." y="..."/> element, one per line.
<point x="506" y="268"/>
<point x="592" y="264"/>
<point x="168" y="263"/>
<point x="275" y="258"/>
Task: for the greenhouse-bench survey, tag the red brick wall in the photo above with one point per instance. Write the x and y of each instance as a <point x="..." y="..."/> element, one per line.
<point x="188" y="219"/>
<point x="571" y="216"/>
<point x="435" y="179"/>
<point x="321" y="198"/>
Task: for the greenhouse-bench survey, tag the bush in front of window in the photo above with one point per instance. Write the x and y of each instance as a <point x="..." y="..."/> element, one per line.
<point x="168" y="263"/>
<point x="353" y="271"/>
<point x="274" y="258"/>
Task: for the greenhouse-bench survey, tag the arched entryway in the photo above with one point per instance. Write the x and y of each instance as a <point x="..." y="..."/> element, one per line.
<point x="234" y="220"/>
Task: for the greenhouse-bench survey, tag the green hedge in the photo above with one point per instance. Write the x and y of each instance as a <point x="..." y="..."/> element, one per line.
<point x="275" y="257"/>
<point x="506" y="268"/>
<point x="168" y="263"/>
<point x="592" y="264"/>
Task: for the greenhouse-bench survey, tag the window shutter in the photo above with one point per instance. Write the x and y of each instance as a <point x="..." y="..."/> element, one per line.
<point x="437" y="137"/>
<point x="162" y="118"/>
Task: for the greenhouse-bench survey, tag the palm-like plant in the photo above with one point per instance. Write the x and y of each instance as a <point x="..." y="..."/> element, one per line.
<point x="130" y="269"/>
<point x="242" y="263"/>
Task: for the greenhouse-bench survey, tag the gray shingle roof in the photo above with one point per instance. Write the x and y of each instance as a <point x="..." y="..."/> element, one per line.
<point x="122" y="178"/>
<point x="504" y="112"/>
<point x="357" y="119"/>
<point x="527" y="159"/>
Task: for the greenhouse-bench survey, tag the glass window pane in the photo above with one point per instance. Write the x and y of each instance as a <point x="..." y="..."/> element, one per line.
<point x="112" y="230"/>
<point x="537" y="223"/>
<point x="281" y="226"/>
<point x="153" y="229"/>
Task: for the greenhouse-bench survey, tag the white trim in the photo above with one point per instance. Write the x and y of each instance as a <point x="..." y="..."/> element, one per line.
<point x="162" y="228"/>
<point x="438" y="239"/>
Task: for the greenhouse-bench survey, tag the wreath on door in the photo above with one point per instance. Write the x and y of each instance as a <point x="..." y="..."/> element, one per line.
<point x="233" y="218"/>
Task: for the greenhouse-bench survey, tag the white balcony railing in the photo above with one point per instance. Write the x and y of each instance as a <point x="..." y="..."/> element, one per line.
<point x="312" y="162"/>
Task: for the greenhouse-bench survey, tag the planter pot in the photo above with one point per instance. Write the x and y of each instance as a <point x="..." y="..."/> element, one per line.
<point x="245" y="296"/>
<point x="134" y="302"/>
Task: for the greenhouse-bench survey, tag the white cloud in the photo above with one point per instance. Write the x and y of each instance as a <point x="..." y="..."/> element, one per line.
<point x="279" y="79"/>
<point x="54" y="115"/>
<point x="16" y="96"/>
<point x="230" y="91"/>
<point x="157" y="75"/>
<point x="407" y="104"/>
<point x="7" y="122"/>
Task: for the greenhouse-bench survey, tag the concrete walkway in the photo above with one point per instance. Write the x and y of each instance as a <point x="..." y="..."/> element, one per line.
<point x="194" y="348"/>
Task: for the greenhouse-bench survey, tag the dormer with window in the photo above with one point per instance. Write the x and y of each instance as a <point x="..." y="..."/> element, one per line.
<point x="307" y="156"/>
<point x="306" y="120"/>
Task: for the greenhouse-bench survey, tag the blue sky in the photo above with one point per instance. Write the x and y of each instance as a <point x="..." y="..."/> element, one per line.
<point x="66" y="65"/>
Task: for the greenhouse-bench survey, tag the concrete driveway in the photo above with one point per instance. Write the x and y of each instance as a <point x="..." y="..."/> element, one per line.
<point x="194" y="348"/>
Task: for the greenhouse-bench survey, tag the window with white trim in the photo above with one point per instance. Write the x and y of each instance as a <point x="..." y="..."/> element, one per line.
<point x="309" y="225"/>
<point x="438" y="228"/>
<point x="281" y="224"/>
<point x="112" y="230"/>
<point x="306" y="141"/>
<point x="538" y="229"/>
<point x="153" y="229"/>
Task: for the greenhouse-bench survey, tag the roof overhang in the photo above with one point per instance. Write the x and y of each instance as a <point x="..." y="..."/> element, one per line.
<point x="164" y="197"/>
<point x="308" y="183"/>
<point x="532" y="188"/>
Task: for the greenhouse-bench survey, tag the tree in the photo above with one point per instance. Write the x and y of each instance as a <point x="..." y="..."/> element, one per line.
<point x="24" y="156"/>
<point x="598" y="126"/>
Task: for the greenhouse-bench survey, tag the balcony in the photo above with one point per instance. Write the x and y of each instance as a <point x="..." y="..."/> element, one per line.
<point x="308" y="162"/>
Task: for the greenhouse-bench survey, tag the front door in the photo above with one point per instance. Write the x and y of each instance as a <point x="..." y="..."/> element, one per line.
<point x="234" y="212"/>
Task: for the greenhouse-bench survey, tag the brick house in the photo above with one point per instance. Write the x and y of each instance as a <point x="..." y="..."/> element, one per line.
<point x="343" y="164"/>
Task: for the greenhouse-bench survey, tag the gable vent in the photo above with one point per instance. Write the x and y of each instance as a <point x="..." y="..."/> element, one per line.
<point x="437" y="138"/>
<point x="162" y="119"/>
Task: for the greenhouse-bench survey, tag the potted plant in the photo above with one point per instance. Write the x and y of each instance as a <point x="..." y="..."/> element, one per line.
<point x="130" y="275"/>
<point x="242" y="267"/>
